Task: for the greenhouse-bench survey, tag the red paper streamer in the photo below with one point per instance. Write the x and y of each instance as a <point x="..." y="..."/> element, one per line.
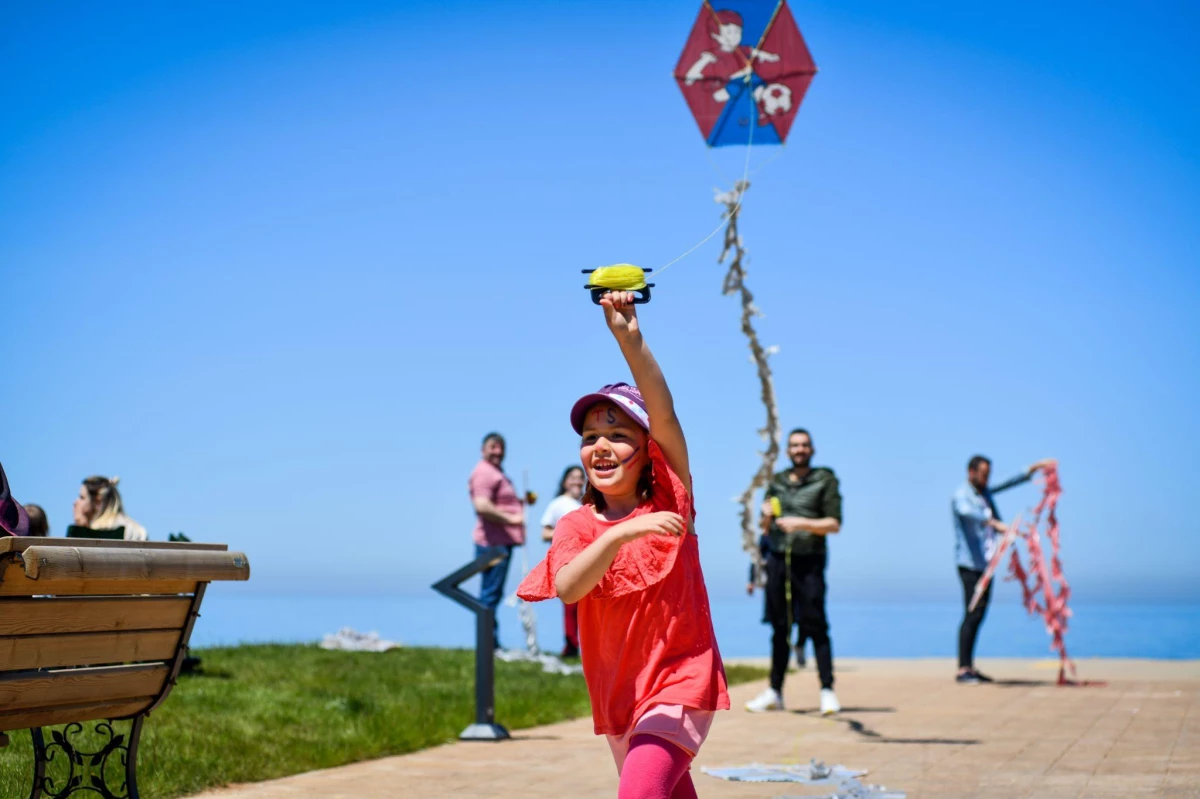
<point x="1044" y="588"/>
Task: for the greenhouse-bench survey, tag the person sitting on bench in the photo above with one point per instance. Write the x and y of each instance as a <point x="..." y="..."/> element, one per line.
<point x="100" y="513"/>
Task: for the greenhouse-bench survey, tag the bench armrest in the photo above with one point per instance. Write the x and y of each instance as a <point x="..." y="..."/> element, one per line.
<point x="100" y="563"/>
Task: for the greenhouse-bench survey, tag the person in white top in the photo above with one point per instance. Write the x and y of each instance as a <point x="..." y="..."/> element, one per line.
<point x="570" y="489"/>
<point x="99" y="507"/>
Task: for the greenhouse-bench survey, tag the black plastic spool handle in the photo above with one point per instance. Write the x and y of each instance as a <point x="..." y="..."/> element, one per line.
<point x="643" y="295"/>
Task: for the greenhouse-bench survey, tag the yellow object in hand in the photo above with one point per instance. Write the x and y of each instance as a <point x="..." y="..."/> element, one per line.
<point x="618" y="277"/>
<point x="776" y="507"/>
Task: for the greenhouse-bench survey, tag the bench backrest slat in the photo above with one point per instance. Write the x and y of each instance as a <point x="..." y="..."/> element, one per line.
<point x="28" y="690"/>
<point x="13" y="582"/>
<point x="64" y="714"/>
<point x="91" y="614"/>
<point x="86" y="649"/>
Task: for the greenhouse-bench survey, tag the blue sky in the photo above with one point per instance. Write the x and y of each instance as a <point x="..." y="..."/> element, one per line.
<point x="280" y="266"/>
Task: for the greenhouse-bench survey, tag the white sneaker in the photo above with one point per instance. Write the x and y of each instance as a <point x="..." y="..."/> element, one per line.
<point x="829" y="702"/>
<point x="769" y="699"/>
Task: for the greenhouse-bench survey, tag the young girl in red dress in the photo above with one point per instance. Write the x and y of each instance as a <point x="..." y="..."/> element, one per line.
<point x="630" y="558"/>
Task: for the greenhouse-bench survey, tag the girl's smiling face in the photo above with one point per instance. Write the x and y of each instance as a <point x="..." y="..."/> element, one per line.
<point x="612" y="449"/>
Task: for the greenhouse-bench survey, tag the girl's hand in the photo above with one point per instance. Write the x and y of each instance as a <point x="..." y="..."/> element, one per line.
<point x="660" y="523"/>
<point x="620" y="313"/>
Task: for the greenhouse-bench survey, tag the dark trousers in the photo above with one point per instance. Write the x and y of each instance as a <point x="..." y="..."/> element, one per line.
<point x="491" y="589"/>
<point x="968" y="631"/>
<point x="808" y="610"/>
<point x="571" y="627"/>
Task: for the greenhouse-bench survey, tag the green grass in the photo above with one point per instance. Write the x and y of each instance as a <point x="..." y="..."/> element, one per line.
<point x="260" y="712"/>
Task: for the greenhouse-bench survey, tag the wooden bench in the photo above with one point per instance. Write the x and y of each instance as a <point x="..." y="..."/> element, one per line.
<point x="96" y="630"/>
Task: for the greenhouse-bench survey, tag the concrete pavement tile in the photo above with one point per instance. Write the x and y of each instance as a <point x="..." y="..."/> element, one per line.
<point x="906" y="721"/>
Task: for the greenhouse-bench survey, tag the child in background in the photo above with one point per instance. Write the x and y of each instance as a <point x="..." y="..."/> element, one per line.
<point x="566" y="499"/>
<point x="630" y="558"/>
<point x="38" y="524"/>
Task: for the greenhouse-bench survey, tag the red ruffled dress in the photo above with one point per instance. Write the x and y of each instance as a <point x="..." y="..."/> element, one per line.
<point x="646" y="629"/>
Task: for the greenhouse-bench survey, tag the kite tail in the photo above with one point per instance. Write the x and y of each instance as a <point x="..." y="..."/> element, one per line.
<point x="1049" y="581"/>
<point x="735" y="284"/>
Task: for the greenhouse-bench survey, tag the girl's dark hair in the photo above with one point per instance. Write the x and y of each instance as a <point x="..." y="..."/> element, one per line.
<point x="645" y="489"/>
<point x="562" y="481"/>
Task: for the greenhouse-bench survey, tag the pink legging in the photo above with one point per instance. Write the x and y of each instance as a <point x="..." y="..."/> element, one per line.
<point x="655" y="769"/>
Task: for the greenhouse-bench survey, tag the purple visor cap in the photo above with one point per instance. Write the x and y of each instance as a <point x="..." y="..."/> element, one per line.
<point x="13" y="519"/>
<point x="623" y="395"/>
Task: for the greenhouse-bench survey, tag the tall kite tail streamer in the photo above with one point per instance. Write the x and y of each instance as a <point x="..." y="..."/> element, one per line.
<point x="1045" y="591"/>
<point x="735" y="283"/>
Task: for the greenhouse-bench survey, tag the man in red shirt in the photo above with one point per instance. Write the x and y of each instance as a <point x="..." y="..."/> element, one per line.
<point x="500" y="519"/>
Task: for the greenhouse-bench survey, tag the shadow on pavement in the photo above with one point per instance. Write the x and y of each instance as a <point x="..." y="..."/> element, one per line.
<point x="1022" y="683"/>
<point x="871" y="735"/>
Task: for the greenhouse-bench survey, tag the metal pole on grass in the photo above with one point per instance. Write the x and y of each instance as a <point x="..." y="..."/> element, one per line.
<point x="485" y="727"/>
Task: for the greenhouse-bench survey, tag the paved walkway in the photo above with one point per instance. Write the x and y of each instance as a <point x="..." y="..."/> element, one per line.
<point x="905" y="721"/>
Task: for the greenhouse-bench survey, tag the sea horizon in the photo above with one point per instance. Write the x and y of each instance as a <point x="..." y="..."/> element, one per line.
<point x="872" y="629"/>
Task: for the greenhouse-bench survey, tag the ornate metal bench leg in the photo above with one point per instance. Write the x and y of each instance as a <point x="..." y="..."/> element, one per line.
<point x="76" y="771"/>
<point x="131" y="754"/>
<point x="39" y="762"/>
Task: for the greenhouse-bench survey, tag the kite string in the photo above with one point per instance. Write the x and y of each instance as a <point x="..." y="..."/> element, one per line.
<point x="739" y="187"/>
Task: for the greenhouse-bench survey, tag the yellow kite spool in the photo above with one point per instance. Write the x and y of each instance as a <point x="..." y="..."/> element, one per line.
<point x="618" y="277"/>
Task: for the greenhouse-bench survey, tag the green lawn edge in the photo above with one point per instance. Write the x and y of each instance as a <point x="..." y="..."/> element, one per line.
<point x="259" y="712"/>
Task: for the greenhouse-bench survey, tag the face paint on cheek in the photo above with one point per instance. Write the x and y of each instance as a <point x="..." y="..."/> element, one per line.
<point x="632" y="455"/>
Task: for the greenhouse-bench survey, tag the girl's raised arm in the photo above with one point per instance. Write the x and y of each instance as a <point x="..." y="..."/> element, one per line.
<point x="621" y="315"/>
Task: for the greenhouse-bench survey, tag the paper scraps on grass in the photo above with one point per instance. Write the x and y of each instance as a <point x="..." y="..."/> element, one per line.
<point x="551" y="664"/>
<point x="814" y="773"/>
<point x="348" y="639"/>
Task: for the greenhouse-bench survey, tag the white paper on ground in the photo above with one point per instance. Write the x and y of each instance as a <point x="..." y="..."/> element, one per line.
<point x="350" y="640"/>
<point x="853" y="789"/>
<point x="550" y="663"/>
<point x="814" y="773"/>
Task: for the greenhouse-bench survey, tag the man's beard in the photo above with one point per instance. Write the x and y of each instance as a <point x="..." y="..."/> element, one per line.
<point x="801" y="463"/>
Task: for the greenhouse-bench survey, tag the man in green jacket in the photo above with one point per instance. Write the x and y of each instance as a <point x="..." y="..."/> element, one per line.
<point x="803" y="506"/>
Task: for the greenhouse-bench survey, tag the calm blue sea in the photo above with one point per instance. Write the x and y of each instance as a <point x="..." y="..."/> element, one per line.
<point x="894" y="629"/>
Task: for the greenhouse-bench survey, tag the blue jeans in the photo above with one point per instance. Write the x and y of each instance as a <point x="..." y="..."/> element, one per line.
<point x="491" y="589"/>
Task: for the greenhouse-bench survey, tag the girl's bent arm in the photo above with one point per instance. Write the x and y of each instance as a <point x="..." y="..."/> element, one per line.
<point x="574" y="580"/>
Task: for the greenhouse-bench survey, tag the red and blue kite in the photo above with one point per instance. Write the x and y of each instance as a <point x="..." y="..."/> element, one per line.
<point x="744" y="71"/>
